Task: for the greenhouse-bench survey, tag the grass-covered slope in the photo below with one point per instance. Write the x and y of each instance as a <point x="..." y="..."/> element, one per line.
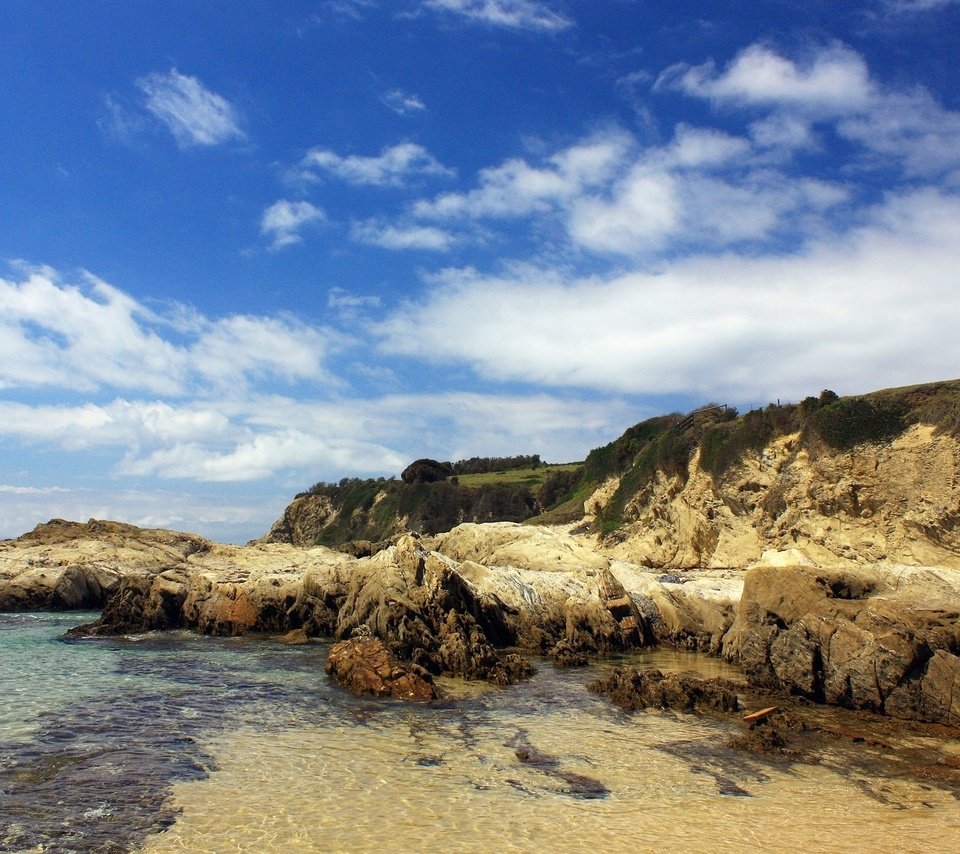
<point x="355" y="510"/>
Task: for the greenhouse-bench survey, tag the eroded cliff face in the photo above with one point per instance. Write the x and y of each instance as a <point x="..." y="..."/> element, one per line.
<point x="897" y="501"/>
<point x="301" y="520"/>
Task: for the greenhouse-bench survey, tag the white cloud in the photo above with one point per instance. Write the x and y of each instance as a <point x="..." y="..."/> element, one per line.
<point x="390" y="168"/>
<point x="119" y="423"/>
<point x="263" y="455"/>
<point x="283" y="221"/>
<point x="918" y="5"/>
<point x="843" y="309"/>
<point x="513" y="14"/>
<point x="516" y="188"/>
<point x="191" y="112"/>
<point x="832" y="80"/>
<point x="94" y="336"/>
<point x="833" y="85"/>
<point x="911" y="128"/>
<point x="711" y="189"/>
<point x="609" y="195"/>
<point x="6" y="489"/>
<point x="403" y="103"/>
<point x="387" y="236"/>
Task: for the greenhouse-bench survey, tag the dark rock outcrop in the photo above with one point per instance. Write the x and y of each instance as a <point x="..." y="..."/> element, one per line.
<point x="642" y="689"/>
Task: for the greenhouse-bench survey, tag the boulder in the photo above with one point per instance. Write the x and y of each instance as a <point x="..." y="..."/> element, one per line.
<point x="364" y="665"/>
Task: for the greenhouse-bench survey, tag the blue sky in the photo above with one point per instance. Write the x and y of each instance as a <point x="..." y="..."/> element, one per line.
<point x="245" y="247"/>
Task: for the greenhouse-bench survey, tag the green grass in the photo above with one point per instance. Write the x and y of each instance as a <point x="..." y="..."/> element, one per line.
<point x="532" y="478"/>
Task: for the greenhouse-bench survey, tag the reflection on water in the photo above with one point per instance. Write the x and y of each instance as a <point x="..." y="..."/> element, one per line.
<point x="175" y="743"/>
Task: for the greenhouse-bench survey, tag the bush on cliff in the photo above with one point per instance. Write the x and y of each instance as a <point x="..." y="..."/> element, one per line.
<point x="851" y="421"/>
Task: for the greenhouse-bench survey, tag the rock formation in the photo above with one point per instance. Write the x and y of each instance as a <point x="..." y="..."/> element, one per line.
<point x="831" y="572"/>
<point x="881" y="638"/>
<point x="61" y="565"/>
<point x="897" y="501"/>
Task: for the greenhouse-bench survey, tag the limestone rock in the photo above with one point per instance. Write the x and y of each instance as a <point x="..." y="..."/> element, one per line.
<point x="364" y="665"/>
<point x="888" y="502"/>
<point x="63" y="564"/>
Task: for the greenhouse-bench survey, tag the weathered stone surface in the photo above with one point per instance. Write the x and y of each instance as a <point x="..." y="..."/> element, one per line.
<point x="643" y="689"/>
<point x="881" y="638"/>
<point x="61" y="564"/>
<point x="895" y="501"/>
<point x="364" y="665"/>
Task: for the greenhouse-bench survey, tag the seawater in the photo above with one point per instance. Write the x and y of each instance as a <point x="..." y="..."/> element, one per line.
<point x="176" y="742"/>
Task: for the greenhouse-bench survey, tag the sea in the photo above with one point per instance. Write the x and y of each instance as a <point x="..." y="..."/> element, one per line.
<point x="177" y="742"/>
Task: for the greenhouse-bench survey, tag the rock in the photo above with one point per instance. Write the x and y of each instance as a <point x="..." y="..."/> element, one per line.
<point x="893" y="501"/>
<point x="510" y="668"/>
<point x="364" y="665"/>
<point x="879" y="638"/>
<point x="564" y="655"/>
<point x="295" y="637"/>
<point x="65" y="565"/>
<point x="769" y="734"/>
<point x="641" y="689"/>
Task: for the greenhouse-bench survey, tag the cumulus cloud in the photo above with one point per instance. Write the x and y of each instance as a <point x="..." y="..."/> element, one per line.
<point x="92" y="335"/>
<point x="516" y="188"/>
<point x="830" y="80"/>
<point x="190" y="111"/>
<point x="611" y="196"/>
<point x="845" y="308"/>
<point x="710" y="189"/>
<point x="829" y="84"/>
<point x="283" y="221"/>
<point x="513" y="14"/>
<point x="391" y="168"/>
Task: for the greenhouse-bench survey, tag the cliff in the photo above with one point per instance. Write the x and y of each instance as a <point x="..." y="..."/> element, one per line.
<point x="896" y="501"/>
<point x="827" y="481"/>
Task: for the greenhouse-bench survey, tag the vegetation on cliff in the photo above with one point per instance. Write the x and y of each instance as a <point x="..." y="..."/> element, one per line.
<point x="432" y="497"/>
<point x="665" y="445"/>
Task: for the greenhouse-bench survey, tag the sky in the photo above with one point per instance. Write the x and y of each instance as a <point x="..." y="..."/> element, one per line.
<point x="248" y="247"/>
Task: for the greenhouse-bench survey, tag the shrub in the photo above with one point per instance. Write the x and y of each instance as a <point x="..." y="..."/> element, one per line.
<point x="851" y="421"/>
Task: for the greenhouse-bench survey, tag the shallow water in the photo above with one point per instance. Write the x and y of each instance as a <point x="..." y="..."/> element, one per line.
<point x="177" y="742"/>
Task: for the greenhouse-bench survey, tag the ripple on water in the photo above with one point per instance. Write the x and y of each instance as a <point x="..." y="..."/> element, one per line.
<point x="182" y="743"/>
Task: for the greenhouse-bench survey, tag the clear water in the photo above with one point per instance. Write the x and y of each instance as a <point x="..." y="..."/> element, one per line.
<point x="181" y="743"/>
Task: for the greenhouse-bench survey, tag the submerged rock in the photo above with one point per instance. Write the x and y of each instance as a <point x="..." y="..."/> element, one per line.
<point x="642" y="689"/>
<point x="364" y="665"/>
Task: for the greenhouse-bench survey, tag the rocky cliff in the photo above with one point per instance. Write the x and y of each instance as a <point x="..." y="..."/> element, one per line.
<point x="828" y="481"/>
<point x="897" y="501"/>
